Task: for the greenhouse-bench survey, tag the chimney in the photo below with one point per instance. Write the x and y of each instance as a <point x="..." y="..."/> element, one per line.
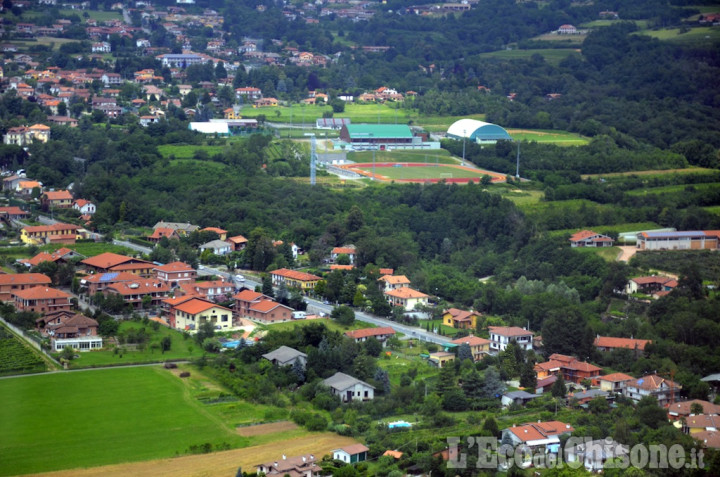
<point x="284" y="457"/>
<point x="275" y="464"/>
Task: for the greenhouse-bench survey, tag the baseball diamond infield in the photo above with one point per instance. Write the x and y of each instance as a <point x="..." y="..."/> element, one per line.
<point x="422" y="172"/>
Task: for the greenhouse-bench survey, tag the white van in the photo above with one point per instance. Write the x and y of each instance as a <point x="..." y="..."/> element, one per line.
<point x="299" y="315"/>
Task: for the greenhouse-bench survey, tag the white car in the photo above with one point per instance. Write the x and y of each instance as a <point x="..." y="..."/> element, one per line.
<point x="239" y="278"/>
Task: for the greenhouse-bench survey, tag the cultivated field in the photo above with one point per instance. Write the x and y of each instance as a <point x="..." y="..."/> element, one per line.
<point x="662" y="172"/>
<point x="111" y="416"/>
<point x="16" y="357"/>
<point x="218" y="464"/>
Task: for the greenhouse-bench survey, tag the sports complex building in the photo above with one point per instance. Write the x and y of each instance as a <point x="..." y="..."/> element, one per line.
<point x="381" y="137"/>
<point x="477" y="131"/>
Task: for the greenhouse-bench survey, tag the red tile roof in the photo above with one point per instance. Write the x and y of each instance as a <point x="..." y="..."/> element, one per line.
<point x="197" y="305"/>
<point x="627" y="343"/>
<point x="395" y="279"/>
<point x="49" y="228"/>
<point x="265" y="306"/>
<point x="40" y="292"/>
<point x="616" y="377"/>
<point x="140" y="287"/>
<point x="341" y="267"/>
<point x="24" y="279"/>
<point x="295" y="275"/>
<point x="354" y="449"/>
<point x="344" y="250"/>
<point x="217" y="230"/>
<point x="58" y="195"/>
<point x="471" y="340"/>
<point x="683" y="408"/>
<point x="710" y="439"/>
<point x="175" y="267"/>
<point x="509" y="331"/>
<point x="405" y="292"/>
<point x="652" y="382"/>
<point x="248" y="295"/>
<point x="582" y="235"/>
<point x="106" y="260"/>
<point x="461" y="315"/>
<point x="366" y="332"/>
<point x="238" y="239"/>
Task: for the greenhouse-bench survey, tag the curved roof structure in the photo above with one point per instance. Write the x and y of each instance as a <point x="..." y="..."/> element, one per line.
<point x="477" y="131"/>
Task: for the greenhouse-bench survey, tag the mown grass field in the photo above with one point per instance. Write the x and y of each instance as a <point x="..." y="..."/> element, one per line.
<point x="560" y="138"/>
<point x="552" y="55"/>
<point x="609" y="254"/>
<point x="329" y="323"/>
<point x="99" y="15"/>
<point x="54" y="42"/>
<point x="181" y="348"/>
<point x="700" y="35"/>
<point x="441" y="156"/>
<point x="424" y="172"/>
<point x="83" y="419"/>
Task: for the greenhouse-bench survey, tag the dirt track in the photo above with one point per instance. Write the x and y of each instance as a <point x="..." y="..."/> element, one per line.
<point x="220" y="464"/>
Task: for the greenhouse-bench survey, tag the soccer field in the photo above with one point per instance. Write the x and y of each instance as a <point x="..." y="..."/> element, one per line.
<point x="90" y="418"/>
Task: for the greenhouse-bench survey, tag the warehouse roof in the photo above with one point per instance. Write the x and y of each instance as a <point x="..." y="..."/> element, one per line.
<point x="379" y="130"/>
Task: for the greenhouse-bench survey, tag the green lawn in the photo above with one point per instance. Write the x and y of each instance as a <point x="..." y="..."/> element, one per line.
<point x="330" y="324"/>
<point x="424" y="172"/>
<point x="552" y="55"/>
<point x="440" y="156"/>
<point x="98" y="15"/>
<point x="609" y="254"/>
<point x="181" y="348"/>
<point x="713" y="209"/>
<point x="187" y="151"/>
<point x="560" y="138"/>
<point x="85" y="419"/>
<point x="521" y="198"/>
<point x="652" y="173"/>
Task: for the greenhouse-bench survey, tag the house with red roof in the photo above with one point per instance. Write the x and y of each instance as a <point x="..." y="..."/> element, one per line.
<point x="72" y="330"/>
<point x="479" y="347"/>
<point x="192" y="312"/>
<point x="348" y="250"/>
<point x="41" y="299"/>
<point x="650" y="284"/>
<point x="406" y="298"/>
<point x="55" y="233"/>
<point x="461" y="319"/>
<point x="259" y="307"/>
<point x="212" y="290"/>
<point x="175" y="273"/>
<point x="391" y="282"/>
<point x="98" y="282"/>
<point x="12" y="282"/>
<point x="294" y="279"/>
<point x="59" y="199"/>
<point x="113" y="262"/>
<point x="681" y="410"/>
<point x="588" y="238"/>
<point x="135" y="291"/>
<point x="609" y="343"/>
<point x="500" y="337"/>
<point x="381" y="334"/>
<point x="571" y="368"/>
<point x="161" y="232"/>
<point x="237" y="243"/>
<point x="222" y="234"/>
<point x="61" y="255"/>
<point x="664" y="390"/>
<point x="14" y="212"/>
<point x="614" y="382"/>
<point x="85" y="207"/>
<point x="537" y="434"/>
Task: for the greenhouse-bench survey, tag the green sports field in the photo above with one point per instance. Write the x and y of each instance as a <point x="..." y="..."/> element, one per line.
<point x="429" y="172"/>
<point x="90" y="418"/>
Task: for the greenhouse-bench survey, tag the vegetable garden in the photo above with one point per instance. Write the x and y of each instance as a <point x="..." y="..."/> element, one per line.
<point x="15" y="357"/>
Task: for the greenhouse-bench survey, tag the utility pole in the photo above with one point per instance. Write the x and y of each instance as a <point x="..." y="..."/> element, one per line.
<point x="517" y="162"/>
<point x="313" y="157"/>
<point x="464" y="134"/>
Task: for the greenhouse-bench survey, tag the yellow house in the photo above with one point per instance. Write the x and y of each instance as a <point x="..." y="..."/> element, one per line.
<point x="479" y="347"/>
<point x="221" y="233"/>
<point x="232" y="113"/>
<point x="294" y="279"/>
<point x="56" y="233"/>
<point x="461" y="319"/>
<point x="441" y="358"/>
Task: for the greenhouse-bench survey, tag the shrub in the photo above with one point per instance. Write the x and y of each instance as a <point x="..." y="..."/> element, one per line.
<point x="185" y="374"/>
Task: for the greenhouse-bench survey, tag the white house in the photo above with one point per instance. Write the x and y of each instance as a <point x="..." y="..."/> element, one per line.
<point x="652" y="385"/>
<point x="349" y="388"/>
<point x="406" y="297"/>
<point x="500" y="337"/>
<point x="537" y="434"/>
<point x="218" y="247"/>
<point x="594" y="454"/>
<point x="85" y="207"/>
<point x="101" y="47"/>
<point x="351" y="454"/>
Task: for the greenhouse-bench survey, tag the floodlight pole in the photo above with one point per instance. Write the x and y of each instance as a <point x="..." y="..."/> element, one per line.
<point x="373" y="150"/>
<point x="313" y="157"/>
<point x="517" y="162"/>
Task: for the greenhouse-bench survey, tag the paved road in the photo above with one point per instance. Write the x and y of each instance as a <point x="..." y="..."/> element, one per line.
<point x="137" y="248"/>
<point x="316" y="306"/>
